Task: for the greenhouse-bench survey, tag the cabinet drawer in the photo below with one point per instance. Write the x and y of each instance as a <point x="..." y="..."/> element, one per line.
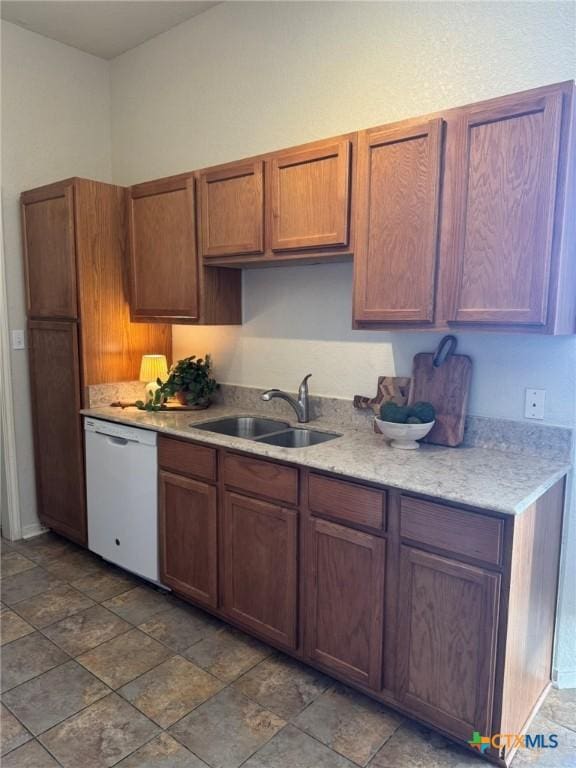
<point x="347" y="502"/>
<point x="454" y="530"/>
<point x="262" y="478"/>
<point x="187" y="458"/>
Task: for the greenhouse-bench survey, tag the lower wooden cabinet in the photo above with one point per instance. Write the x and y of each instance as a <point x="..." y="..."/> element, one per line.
<point x="260" y="567"/>
<point x="58" y="442"/>
<point x="344" y="587"/>
<point x="446" y="646"/>
<point x="188" y="526"/>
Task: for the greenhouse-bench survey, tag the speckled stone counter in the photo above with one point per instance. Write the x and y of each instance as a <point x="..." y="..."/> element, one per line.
<point x="502" y="481"/>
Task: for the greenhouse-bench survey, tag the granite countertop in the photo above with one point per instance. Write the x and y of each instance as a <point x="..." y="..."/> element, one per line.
<point x="501" y="481"/>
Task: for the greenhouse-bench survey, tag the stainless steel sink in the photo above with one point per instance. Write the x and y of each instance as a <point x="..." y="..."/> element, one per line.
<point x="249" y="427"/>
<point x="298" y="438"/>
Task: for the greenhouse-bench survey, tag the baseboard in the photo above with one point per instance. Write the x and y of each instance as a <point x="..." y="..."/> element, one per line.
<point x="34" y="529"/>
<point x="565" y="679"/>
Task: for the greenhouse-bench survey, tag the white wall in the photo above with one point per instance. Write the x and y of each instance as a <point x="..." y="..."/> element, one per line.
<point x="55" y="124"/>
<point x="245" y="78"/>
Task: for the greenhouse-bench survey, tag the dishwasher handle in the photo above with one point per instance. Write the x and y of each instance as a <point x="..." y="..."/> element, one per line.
<point x="119" y="440"/>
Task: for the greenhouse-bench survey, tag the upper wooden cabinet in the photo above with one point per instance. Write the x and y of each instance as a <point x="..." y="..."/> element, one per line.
<point x="399" y="175"/>
<point x="163" y="249"/>
<point x="167" y="282"/>
<point x="309" y="197"/>
<point x="50" y="252"/>
<point x="232" y="209"/>
<point x="465" y="218"/>
<point x="504" y="203"/>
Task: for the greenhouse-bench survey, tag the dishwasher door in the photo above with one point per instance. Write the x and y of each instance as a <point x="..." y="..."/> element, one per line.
<point x="122" y="493"/>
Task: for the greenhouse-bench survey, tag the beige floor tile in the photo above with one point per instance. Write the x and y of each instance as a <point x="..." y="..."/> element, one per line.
<point x="52" y="606"/>
<point x="162" y="752"/>
<point x="75" y="565"/>
<point x="562" y="756"/>
<point x="12" y="732"/>
<point x="45" y="548"/>
<point x="99" y="736"/>
<point x="12" y="626"/>
<point x="293" y="749"/>
<point x="52" y="697"/>
<point x="118" y="661"/>
<point x="226" y="730"/>
<point x="171" y="690"/>
<point x="14" y="562"/>
<point x="560" y="707"/>
<point x="28" y="657"/>
<point x="228" y="654"/>
<point x="31" y="755"/>
<point x="104" y="584"/>
<point x="282" y="685"/>
<point x="85" y="630"/>
<point x="349" y="723"/>
<point x="179" y="628"/>
<point x="413" y="746"/>
<point x="23" y="586"/>
<point x="138" y="605"/>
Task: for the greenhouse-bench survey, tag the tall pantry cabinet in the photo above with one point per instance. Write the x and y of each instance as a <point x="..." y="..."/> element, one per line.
<point x="79" y="330"/>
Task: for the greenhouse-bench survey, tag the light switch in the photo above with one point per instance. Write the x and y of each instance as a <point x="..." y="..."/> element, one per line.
<point x="18" y="340"/>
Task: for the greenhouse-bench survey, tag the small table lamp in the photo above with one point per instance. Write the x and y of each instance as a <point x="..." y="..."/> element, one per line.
<point x="153" y="367"/>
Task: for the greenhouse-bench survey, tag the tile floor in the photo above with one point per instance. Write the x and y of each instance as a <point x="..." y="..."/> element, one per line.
<point x="99" y="669"/>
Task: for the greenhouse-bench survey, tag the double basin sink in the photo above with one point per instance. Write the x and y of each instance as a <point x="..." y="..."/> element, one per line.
<point x="269" y="431"/>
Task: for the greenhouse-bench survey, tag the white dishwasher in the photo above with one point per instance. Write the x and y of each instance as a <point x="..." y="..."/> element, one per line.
<point x="122" y="494"/>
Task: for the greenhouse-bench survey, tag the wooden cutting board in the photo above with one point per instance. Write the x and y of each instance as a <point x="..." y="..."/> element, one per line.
<point x="447" y="387"/>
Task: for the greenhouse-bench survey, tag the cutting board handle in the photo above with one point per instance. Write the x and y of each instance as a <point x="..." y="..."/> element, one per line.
<point x="446" y="348"/>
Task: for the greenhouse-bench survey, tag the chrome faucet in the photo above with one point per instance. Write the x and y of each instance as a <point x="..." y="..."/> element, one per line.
<point x="301" y="406"/>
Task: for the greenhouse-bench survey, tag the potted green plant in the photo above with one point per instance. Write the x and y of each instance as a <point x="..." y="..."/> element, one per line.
<point x="190" y="382"/>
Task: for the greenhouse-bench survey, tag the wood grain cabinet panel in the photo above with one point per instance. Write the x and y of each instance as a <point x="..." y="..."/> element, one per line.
<point x="399" y="171"/>
<point x="344" y="588"/>
<point x="187" y="458"/>
<point x="262" y="478"/>
<point x="164" y="262"/>
<point x="58" y="442"/>
<point x="232" y="209"/>
<point x="506" y="170"/>
<point x="188" y="525"/>
<point x="447" y="624"/>
<point x="49" y="251"/>
<point x="460" y="532"/>
<point x="347" y="502"/>
<point x="309" y="201"/>
<point x="260" y="567"/>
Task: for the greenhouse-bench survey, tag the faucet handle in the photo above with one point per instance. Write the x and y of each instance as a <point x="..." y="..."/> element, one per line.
<point x="304" y="383"/>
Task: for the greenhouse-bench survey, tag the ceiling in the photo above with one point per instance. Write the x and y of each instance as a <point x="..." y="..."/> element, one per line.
<point x="105" y="28"/>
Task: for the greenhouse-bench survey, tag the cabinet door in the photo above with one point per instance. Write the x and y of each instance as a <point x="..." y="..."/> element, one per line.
<point x="345" y="592"/>
<point x="163" y="254"/>
<point x="232" y="209"/>
<point x="397" y="243"/>
<point x="310" y="197"/>
<point x="448" y="617"/>
<point x="505" y="166"/>
<point x="188" y="525"/>
<point x="58" y="443"/>
<point x="49" y="252"/>
<point x="260" y="567"/>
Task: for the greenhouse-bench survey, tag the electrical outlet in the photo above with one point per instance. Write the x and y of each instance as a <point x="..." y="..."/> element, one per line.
<point x="18" y="340"/>
<point x="534" y="403"/>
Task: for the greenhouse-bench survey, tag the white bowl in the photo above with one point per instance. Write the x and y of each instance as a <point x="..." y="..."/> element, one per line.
<point x="404" y="435"/>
